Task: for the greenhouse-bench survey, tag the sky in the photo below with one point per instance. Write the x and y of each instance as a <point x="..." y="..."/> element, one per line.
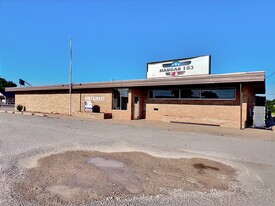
<point x="114" y="40"/>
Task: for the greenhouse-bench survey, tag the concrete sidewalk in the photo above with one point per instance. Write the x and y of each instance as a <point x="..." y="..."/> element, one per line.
<point x="214" y="130"/>
<point x="7" y="107"/>
<point x="192" y="128"/>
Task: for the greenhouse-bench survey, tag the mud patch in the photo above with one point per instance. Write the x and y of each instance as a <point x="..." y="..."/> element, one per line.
<point x="76" y="177"/>
<point x="101" y="162"/>
<point x="201" y="167"/>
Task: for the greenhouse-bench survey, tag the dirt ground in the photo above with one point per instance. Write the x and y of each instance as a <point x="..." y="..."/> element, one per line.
<point x="75" y="177"/>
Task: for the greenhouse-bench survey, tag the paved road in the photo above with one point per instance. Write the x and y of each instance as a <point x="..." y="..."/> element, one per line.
<point x="24" y="139"/>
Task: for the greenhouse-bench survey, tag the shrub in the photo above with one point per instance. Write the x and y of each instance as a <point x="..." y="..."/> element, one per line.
<point x="96" y="109"/>
<point x="19" y="107"/>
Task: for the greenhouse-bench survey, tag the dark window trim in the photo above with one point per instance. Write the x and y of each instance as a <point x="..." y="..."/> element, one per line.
<point x="120" y="97"/>
<point x="195" y="99"/>
<point x="235" y="93"/>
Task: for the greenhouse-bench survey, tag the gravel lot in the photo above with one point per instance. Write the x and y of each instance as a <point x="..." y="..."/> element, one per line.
<point x="26" y="139"/>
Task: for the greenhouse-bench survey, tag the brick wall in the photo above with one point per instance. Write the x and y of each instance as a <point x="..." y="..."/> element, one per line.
<point x="218" y="112"/>
<point x="59" y="103"/>
<point x="48" y="103"/>
<point x="102" y="99"/>
<point x="228" y="116"/>
<point x="222" y="112"/>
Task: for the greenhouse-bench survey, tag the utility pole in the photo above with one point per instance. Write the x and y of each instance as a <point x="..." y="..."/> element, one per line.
<point x="71" y="71"/>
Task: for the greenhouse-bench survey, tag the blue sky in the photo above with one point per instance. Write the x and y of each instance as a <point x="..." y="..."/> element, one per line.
<point x="114" y="40"/>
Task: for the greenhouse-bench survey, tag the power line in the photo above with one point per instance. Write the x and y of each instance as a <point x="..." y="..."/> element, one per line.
<point x="270" y="75"/>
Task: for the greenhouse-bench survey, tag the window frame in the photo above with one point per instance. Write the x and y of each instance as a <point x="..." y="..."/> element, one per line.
<point x="190" y="98"/>
<point x="212" y="88"/>
<point x="120" y="99"/>
<point x="164" y="97"/>
<point x="194" y="99"/>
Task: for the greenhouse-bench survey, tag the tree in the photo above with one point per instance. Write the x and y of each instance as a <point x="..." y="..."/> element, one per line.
<point x="270" y="104"/>
<point x="4" y="83"/>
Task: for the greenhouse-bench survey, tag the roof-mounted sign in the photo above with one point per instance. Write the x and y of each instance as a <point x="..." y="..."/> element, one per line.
<point x="179" y="67"/>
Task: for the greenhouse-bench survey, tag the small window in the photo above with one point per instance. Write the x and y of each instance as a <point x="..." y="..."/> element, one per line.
<point x="120" y="99"/>
<point x="190" y="93"/>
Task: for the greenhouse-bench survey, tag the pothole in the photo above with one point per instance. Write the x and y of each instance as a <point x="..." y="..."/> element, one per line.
<point x="83" y="176"/>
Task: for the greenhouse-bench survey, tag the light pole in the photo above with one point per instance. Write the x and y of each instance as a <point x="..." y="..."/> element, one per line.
<point x="71" y="71"/>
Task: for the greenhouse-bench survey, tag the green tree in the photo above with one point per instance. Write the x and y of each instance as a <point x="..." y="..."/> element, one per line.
<point x="4" y="83"/>
<point x="270" y="104"/>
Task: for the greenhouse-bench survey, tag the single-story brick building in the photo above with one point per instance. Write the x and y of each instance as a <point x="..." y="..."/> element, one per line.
<point x="7" y="98"/>
<point x="215" y="99"/>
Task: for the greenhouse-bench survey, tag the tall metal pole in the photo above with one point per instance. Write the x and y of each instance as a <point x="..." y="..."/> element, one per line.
<point x="71" y="71"/>
<point x="241" y="106"/>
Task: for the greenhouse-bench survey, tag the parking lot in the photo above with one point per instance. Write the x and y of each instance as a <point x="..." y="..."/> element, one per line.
<point x="26" y="140"/>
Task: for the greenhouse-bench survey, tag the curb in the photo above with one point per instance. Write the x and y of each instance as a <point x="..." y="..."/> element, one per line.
<point x="40" y="115"/>
<point x="24" y="113"/>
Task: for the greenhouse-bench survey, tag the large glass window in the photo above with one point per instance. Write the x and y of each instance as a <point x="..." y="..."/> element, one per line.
<point x="196" y="93"/>
<point x="218" y="93"/>
<point x="190" y="93"/>
<point x="164" y="94"/>
<point x="120" y="99"/>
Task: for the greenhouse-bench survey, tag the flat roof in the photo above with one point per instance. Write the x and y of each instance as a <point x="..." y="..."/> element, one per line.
<point x="242" y="77"/>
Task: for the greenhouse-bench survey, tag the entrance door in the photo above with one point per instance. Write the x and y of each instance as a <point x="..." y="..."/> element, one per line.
<point x="137" y="107"/>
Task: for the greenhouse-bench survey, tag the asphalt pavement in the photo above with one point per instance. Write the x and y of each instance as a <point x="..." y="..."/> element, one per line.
<point x="25" y="139"/>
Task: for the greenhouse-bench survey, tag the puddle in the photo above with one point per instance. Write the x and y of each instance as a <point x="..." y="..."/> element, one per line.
<point x="109" y="163"/>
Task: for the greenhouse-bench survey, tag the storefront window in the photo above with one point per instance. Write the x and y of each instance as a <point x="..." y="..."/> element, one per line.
<point x="165" y="94"/>
<point x="218" y="93"/>
<point x="196" y="93"/>
<point x="120" y="99"/>
<point x="190" y="93"/>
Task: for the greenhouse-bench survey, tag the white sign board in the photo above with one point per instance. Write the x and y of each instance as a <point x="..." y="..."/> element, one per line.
<point x="179" y="67"/>
<point x="88" y="106"/>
